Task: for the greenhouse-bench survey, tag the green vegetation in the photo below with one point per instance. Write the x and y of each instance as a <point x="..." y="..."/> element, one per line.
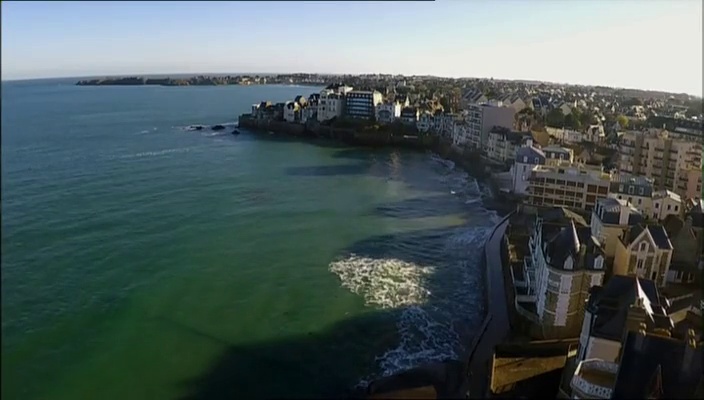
<point x="555" y="118"/>
<point x="622" y="121"/>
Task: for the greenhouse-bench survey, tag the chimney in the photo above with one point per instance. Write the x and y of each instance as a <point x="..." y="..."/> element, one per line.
<point x="689" y="350"/>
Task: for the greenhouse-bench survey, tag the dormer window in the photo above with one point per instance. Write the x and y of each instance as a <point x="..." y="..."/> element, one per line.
<point x="525" y="159"/>
<point x="620" y="188"/>
<point x="641" y="191"/>
<point x="630" y="190"/>
<point x="643" y="246"/>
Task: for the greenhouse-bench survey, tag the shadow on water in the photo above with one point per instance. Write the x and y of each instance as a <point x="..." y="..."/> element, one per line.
<point x="317" y="365"/>
<point x="330" y="363"/>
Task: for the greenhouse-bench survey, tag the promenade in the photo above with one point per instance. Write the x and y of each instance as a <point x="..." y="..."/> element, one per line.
<point x="497" y="322"/>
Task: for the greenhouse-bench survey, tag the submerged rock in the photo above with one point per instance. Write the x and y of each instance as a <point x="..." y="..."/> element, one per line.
<point x="217" y="127"/>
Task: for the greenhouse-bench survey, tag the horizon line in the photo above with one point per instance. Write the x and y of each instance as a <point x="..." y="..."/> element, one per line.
<point x="340" y="74"/>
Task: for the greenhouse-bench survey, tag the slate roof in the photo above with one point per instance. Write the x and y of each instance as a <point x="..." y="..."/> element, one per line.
<point x="612" y="211"/>
<point x="567" y="243"/>
<point x="609" y="304"/>
<point x="656" y="231"/>
<point x="531" y="152"/>
<point x="655" y="366"/>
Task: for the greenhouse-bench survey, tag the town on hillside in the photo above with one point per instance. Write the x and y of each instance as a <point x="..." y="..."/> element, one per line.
<point x="602" y="257"/>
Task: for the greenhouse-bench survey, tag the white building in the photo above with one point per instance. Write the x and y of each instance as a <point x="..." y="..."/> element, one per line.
<point x="425" y="122"/>
<point x="666" y="203"/>
<point x="527" y="157"/>
<point x="566" y="136"/>
<point x="331" y="105"/>
<point x="387" y="113"/>
<point x="291" y="111"/>
<point x="460" y="134"/>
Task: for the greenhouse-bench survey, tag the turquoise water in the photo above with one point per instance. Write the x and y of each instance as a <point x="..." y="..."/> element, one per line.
<point x="141" y="260"/>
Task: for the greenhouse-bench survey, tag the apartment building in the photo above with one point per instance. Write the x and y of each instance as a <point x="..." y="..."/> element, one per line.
<point x="502" y="144"/>
<point x="565" y="261"/>
<point x="567" y="184"/>
<point x="644" y="251"/>
<point x="673" y="163"/>
<point x="362" y="103"/>
<point x="482" y="118"/>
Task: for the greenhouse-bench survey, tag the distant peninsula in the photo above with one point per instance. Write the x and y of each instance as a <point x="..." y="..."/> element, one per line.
<point x="202" y="80"/>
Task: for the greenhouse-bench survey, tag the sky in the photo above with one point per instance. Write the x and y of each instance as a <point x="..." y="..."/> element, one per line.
<point x="645" y="44"/>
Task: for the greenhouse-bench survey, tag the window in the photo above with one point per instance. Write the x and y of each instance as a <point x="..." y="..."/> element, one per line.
<point x="525" y="159"/>
<point x="641" y="191"/>
<point x="620" y="188"/>
<point x="657" y="205"/>
<point x="677" y="208"/>
<point x="620" y="197"/>
<point x="524" y="168"/>
<point x="537" y="160"/>
<point x="630" y="190"/>
<point x="639" y="264"/>
<point x="669" y="206"/>
<point x="643" y="246"/>
<point x="640" y="201"/>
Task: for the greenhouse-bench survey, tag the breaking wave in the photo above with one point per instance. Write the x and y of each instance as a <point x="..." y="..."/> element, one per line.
<point x="437" y="287"/>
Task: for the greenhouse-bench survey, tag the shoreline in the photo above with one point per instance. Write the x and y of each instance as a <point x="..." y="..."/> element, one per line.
<point x="451" y="378"/>
<point x="469" y="161"/>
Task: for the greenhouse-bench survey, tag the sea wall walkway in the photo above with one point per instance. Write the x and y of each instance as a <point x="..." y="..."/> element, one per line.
<point x="496" y="324"/>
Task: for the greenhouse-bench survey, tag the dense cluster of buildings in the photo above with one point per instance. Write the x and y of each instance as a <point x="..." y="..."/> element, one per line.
<point x="615" y="237"/>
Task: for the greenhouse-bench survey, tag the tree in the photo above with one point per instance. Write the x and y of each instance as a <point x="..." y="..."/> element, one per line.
<point x="555" y="118"/>
<point x="622" y="121"/>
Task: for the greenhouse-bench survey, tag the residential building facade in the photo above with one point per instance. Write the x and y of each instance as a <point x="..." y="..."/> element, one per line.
<point x="527" y="157"/>
<point x="569" y="185"/>
<point x="610" y="219"/>
<point x="644" y="251"/>
<point x="669" y="161"/>
<point x="482" y="118"/>
<point x="361" y="103"/>
<point x="387" y="113"/>
<point x="503" y="143"/>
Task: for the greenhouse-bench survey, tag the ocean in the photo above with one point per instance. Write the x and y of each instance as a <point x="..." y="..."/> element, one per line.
<point x="142" y="260"/>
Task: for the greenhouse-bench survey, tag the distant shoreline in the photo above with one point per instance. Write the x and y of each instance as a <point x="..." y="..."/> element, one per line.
<point x="200" y="80"/>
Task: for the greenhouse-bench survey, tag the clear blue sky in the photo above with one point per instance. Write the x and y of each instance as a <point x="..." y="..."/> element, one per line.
<point x="647" y="44"/>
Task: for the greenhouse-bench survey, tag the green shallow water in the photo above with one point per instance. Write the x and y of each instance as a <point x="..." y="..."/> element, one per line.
<point x="141" y="260"/>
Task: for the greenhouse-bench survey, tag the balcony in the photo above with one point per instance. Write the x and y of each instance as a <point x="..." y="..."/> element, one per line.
<point x="594" y="379"/>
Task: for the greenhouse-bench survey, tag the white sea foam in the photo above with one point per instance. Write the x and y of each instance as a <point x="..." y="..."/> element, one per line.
<point x="386" y="283"/>
<point x="426" y="329"/>
<point x="153" y="153"/>
<point x="437" y="305"/>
